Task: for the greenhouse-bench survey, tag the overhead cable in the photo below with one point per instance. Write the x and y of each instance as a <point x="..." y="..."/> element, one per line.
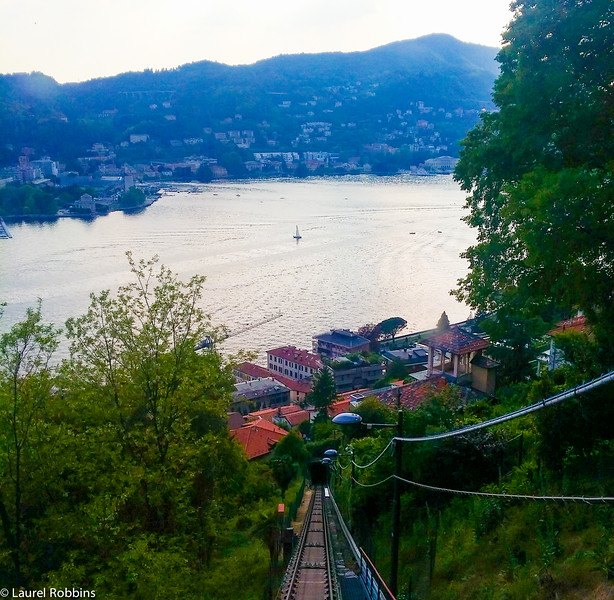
<point x="560" y="397"/>
<point x="369" y="485"/>
<point x="585" y="499"/>
<point x="375" y="459"/>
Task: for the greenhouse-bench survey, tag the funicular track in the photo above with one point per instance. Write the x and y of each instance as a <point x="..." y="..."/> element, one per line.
<point x="311" y="571"/>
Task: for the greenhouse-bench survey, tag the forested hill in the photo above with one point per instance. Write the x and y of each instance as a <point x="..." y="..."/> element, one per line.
<point x="353" y="92"/>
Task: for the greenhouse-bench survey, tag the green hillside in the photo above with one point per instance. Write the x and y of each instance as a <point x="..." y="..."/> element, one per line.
<point x="365" y="97"/>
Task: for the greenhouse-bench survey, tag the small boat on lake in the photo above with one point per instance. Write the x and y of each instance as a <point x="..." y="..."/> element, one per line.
<point x="297" y="236"/>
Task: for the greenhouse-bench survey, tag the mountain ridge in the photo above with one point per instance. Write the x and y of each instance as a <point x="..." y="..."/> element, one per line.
<point x="275" y="98"/>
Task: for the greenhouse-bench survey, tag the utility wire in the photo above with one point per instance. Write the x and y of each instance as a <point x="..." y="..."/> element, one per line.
<point x="585" y="499"/>
<point x="560" y="397"/>
<point x="375" y="459"/>
<point x="370" y="485"/>
<point x="578" y="499"/>
<point x="557" y="398"/>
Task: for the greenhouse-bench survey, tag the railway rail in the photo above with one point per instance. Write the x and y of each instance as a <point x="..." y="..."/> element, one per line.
<point x="311" y="572"/>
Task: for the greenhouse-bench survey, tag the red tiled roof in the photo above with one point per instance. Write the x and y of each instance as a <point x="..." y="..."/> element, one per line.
<point x="296" y="355"/>
<point x="456" y="341"/>
<point x="413" y="395"/>
<point x="296" y="418"/>
<point x="339" y="407"/>
<point x="578" y="324"/>
<point x="253" y="370"/>
<point x="302" y="387"/>
<point x="258" y="437"/>
<point x="265" y="413"/>
<point x="269" y="413"/>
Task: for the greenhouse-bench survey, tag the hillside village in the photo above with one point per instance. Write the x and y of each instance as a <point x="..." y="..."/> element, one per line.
<point x="268" y="401"/>
<point x="403" y="107"/>
<point x="405" y="372"/>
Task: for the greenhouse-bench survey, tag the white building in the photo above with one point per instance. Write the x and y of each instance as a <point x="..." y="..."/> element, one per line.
<point x="293" y="363"/>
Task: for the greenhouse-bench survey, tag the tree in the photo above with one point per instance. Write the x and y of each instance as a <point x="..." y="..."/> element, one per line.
<point x="116" y="468"/>
<point x="284" y="471"/>
<point x="233" y="163"/>
<point x="137" y="353"/>
<point x="293" y="446"/>
<point x="373" y="333"/>
<point x="301" y="170"/>
<point x="132" y="198"/>
<point x="444" y="323"/>
<point x="26" y="380"/>
<point x="323" y="392"/>
<point x="390" y="327"/>
<point x="204" y="173"/>
<point x="539" y="171"/>
<point x="135" y="392"/>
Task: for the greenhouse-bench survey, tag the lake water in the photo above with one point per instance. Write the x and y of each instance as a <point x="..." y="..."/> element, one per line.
<point x="372" y="248"/>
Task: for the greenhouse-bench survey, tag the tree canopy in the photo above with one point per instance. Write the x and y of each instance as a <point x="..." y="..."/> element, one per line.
<point x="323" y="392"/>
<point x="540" y="170"/>
<point x="390" y="327"/>
<point x="117" y="472"/>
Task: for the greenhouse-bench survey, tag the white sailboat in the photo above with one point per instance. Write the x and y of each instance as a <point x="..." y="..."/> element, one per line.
<point x="297" y="235"/>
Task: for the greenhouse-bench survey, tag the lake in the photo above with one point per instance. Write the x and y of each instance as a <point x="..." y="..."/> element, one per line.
<point x="371" y="248"/>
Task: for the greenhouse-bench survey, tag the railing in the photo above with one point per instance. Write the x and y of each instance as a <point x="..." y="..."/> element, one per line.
<point x="375" y="586"/>
<point x="372" y="581"/>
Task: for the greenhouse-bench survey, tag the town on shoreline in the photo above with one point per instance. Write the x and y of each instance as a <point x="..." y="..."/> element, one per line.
<point x="44" y="189"/>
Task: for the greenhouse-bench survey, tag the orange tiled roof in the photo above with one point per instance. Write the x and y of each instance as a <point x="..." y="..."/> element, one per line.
<point x="253" y="370"/>
<point x="258" y="437"/>
<point x="578" y="324"/>
<point x="413" y="395"/>
<point x="456" y="341"/>
<point x="269" y="413"/>
<point x="297" y="418"/>
<point x="339" y="407"/>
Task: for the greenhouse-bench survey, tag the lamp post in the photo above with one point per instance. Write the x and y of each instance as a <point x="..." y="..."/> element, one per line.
<point x="353" y="418"/>
<point x="333" y="455"/>
<point x="330" y="456"/>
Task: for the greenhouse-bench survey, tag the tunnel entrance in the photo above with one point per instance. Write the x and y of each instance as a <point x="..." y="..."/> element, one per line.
<point x="317" y="472"/>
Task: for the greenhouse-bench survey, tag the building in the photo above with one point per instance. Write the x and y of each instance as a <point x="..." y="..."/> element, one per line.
<point x="411" y="356"/>
<point x="440" y="164"/>
<point x="48" y="167"/>
<point x="85" y="205"/>
<point x="258" y="437"/>
<point x="413" y="395"/>
<point x="139" y="138"/>
<point x="293" y="363"/>
<point x="553" y="357"/>
<point x="339" y="342"/>
<point x="249" y="371"/>
<point x="457" y="355"/>
<point x="235" y="420"/>
<point x="258" y="394"/>
<point x="355" y="374"/>
<point x="285" y="416"/>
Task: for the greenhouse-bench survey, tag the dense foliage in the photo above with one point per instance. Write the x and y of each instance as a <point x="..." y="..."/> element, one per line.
<point x="539" y="173"/>
<point x="117" y="472"/>
<point x="540" y="170"/>
<point x="30" y="201"/>
<point x="453" y="546"/>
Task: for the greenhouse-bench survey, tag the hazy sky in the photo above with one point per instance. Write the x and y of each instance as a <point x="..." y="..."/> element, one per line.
<point x="74" y="40"/>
